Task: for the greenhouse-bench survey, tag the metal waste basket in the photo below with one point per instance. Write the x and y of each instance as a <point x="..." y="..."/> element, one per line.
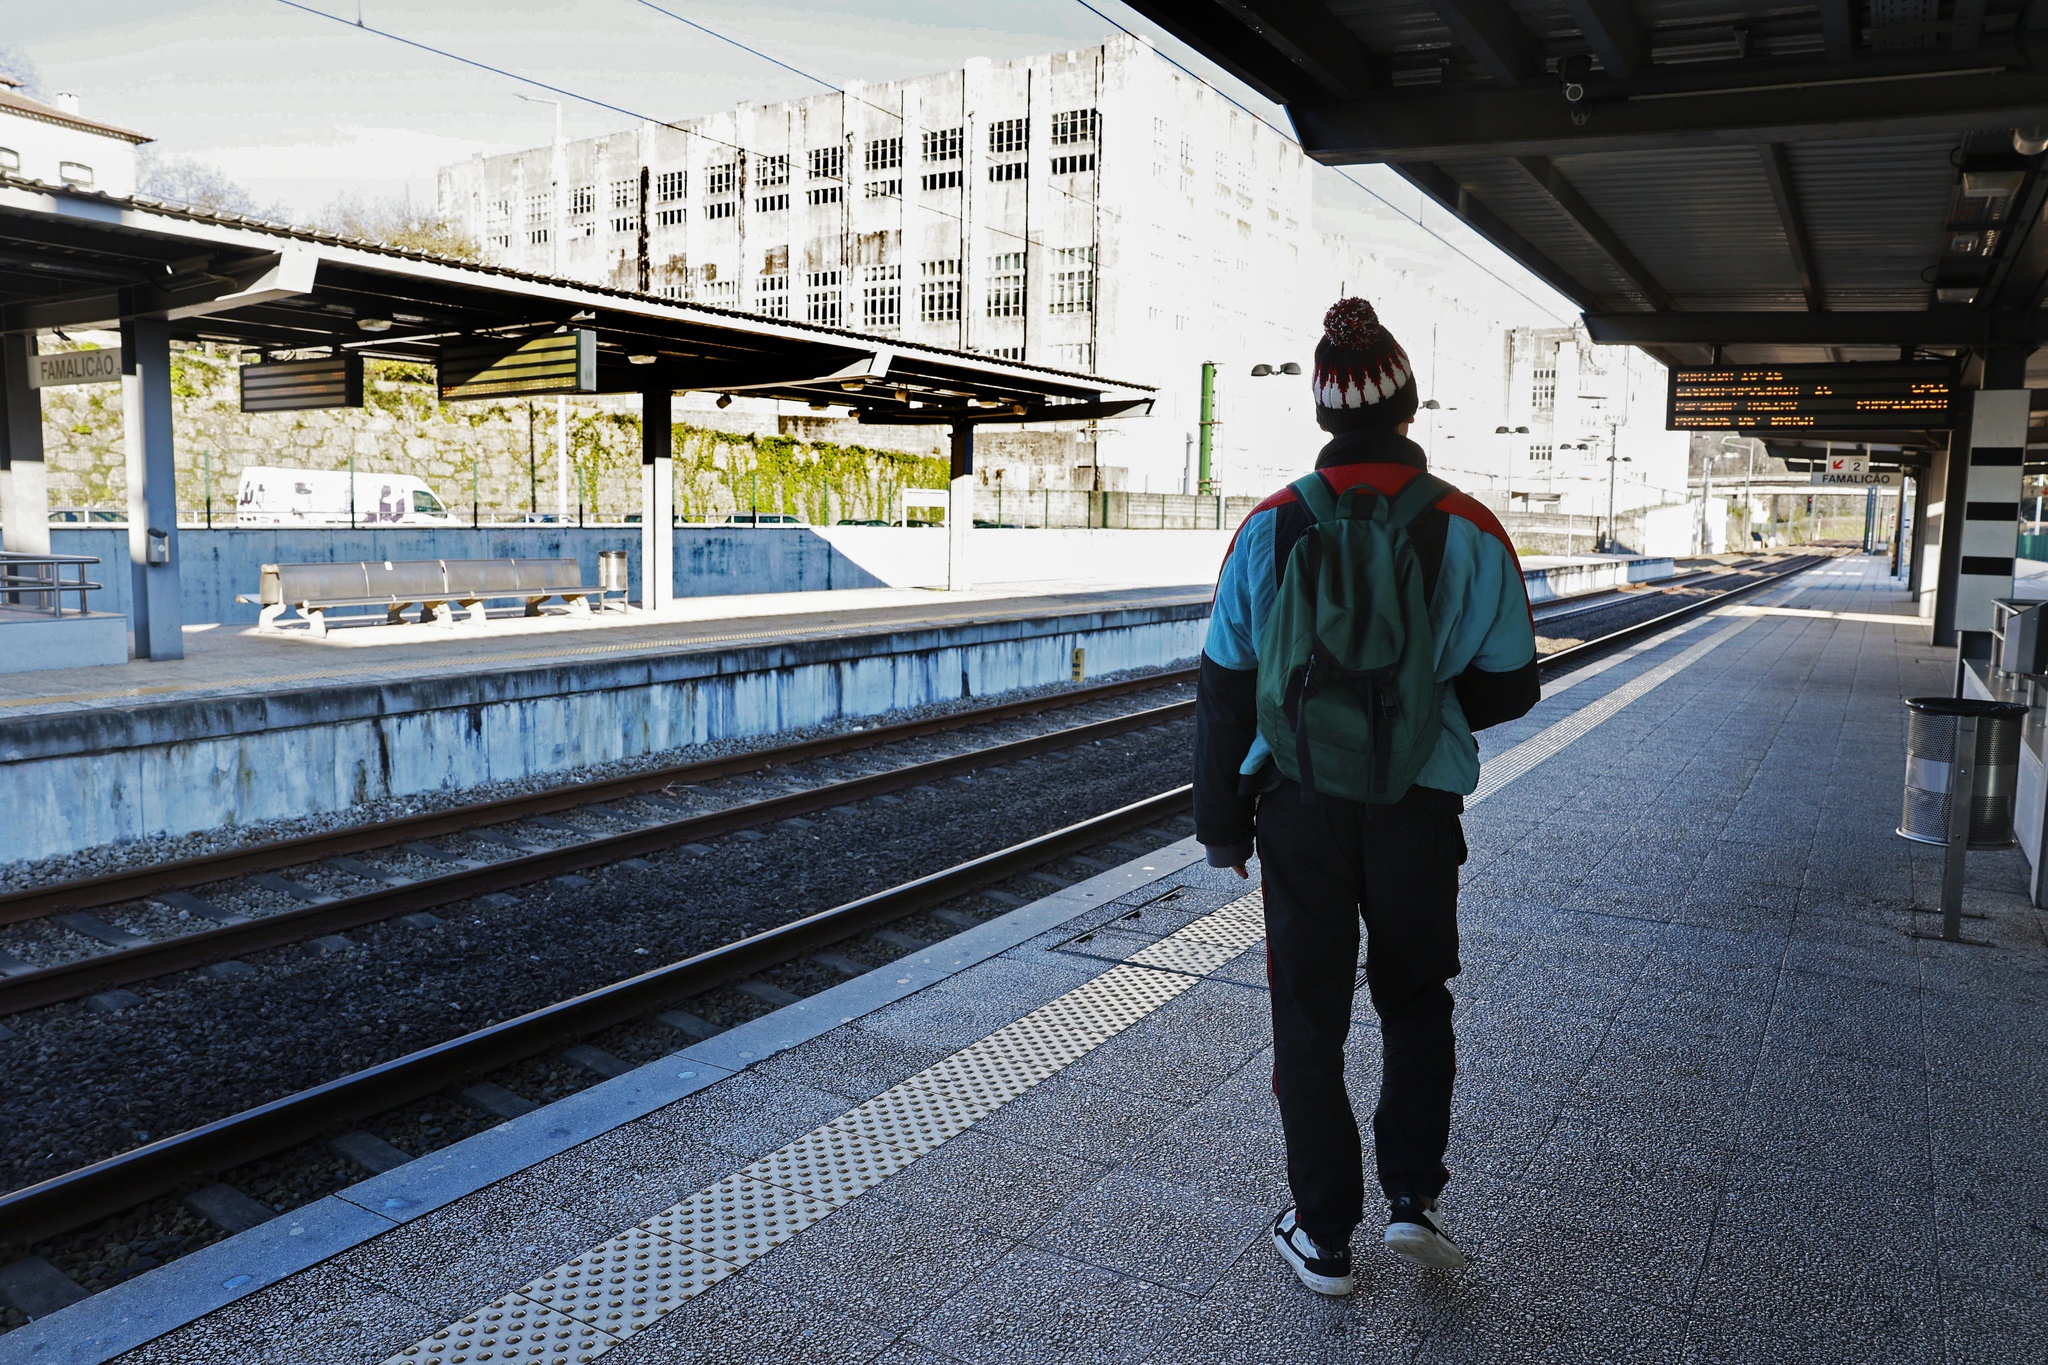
<point x="1934" y="725"/>
<point x="612" y="574"/>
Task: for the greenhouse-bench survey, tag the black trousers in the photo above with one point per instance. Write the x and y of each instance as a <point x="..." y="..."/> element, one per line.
<point x="1327" y="864"/>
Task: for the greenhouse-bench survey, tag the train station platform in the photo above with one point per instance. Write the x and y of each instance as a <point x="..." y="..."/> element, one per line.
<point x="1715" y="1104"/>
<point x="252" y="725"/>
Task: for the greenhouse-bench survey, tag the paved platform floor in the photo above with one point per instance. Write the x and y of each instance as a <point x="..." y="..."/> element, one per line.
<point x="240" y="660"/>
<point x="1714" y="1104"/>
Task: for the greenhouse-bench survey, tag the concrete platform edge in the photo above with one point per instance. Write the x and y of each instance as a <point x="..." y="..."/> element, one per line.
<point x="121" y="1318"/>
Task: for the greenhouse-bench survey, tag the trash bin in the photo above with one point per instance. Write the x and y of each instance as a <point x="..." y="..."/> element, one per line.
<point x="611" y="572"/>
<point x="1930" y="756"/>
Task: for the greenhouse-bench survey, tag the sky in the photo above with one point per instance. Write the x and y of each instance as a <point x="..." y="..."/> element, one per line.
<point x="299" y="108"/>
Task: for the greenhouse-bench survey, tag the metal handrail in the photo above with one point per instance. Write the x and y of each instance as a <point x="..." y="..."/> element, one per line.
<point x="41" y="576"/>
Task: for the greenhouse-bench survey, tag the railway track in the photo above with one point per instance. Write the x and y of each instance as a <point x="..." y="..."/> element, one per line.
<point x="156" y="1169"/>
<point x="127" y="958"/>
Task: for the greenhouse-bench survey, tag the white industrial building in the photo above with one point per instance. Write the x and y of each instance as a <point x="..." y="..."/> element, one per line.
<point x="1583" y="403"/>
<point x="54" y="143"/>
<point x="1091" y="210"/>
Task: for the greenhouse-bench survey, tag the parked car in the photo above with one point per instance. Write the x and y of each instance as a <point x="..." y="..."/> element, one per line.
<point x="763" y="519"/>
<point x="322" y="497"/>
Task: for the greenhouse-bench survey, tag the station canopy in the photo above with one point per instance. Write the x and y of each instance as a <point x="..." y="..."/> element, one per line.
<point x="74" y="259"/>
<point x="1745" y="182"/>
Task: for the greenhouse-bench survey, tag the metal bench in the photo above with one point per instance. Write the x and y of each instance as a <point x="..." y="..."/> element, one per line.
<point x="436" y="586"/>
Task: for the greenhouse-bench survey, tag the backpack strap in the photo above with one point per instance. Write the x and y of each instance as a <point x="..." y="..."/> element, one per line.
<point x="1419" y="496"/>
<point x="1315" y="496"/>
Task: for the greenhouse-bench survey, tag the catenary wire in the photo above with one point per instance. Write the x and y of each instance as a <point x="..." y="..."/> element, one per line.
<point x="619" y="109"/>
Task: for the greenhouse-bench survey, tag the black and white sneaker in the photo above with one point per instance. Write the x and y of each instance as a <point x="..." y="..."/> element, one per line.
<point x="1323" y="1271"/>
<point x="1416" y="1233"/>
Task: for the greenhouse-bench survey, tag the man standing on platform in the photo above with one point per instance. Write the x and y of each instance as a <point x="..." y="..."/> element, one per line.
<point x="1369" y="618"/>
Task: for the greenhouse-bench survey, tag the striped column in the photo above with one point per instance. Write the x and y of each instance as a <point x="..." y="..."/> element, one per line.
<point x="1991" y="509"/>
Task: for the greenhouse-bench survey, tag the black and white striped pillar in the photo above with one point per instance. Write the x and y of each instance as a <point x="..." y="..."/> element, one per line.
<point x="1990" y="522"/>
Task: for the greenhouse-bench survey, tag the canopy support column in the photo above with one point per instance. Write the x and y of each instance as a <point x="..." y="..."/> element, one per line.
<point x="157" y="614"/>
<point x="657" y="502"/>
<point x="960" y="507"/>
<point x="25" y="494"/>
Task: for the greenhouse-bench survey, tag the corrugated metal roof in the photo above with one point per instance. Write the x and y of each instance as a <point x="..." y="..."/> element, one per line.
<point x="1503" y="187"/>
<point x="1874" y="211"/>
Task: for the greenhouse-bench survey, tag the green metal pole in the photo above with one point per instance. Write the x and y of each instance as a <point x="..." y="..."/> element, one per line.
<point x="1205" y="483"/>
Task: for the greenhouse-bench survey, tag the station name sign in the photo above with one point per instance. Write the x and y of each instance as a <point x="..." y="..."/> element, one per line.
<point x="1873" y="396"/>
<point x="292" y="385"/>
<point x="1851" y="471"/>
<point x="561" y="362"/>
<point x="59" y="368"/>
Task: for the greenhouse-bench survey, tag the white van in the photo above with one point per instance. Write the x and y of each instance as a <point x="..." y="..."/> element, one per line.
<point x="320" y="497"/>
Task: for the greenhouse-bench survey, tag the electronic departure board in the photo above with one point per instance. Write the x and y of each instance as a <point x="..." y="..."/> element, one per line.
<point x="1892" y="396"/>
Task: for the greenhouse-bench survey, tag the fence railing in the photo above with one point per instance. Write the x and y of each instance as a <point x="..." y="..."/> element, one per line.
<point x="26" y="576"/>
<point x="1077" y="509"/>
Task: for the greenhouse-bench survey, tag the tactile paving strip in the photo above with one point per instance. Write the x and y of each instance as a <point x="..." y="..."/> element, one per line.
<point x="513" y="1329"/>
<point x="580" y="1310"/>
<point x="1196" y="959"/>
<point x="737" y="1220"/>
<point x="625" y="1284"/>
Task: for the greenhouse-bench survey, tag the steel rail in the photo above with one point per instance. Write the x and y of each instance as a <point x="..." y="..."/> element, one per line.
<point x="68" y="1201"/>
<point x="125" y="966"/>
<point x="89" y="892"/>
<point x="1588" y="648"/>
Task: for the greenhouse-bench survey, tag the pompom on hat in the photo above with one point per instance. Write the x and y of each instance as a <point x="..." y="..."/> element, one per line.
<point x="1363" y="380"/>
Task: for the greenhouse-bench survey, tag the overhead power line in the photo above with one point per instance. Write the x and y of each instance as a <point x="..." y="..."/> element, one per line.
<point x="358" y="26"/>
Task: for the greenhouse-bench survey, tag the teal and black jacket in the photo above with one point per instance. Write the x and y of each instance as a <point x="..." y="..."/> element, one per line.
<point x="1485" y="643"/>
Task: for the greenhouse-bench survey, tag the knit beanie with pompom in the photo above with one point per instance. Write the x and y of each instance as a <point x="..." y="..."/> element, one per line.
<point x="1363" y="381"/>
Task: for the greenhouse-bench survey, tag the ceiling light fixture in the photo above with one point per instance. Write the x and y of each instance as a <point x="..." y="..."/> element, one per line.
<point x="373" y="324"/>
<point x="641" y="359"/>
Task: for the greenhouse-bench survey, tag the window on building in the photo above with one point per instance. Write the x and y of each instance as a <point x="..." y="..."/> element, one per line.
<point x="942" y="180"/>
<point x="720" y="179"/>
<point x="1009" y="136"/>
<point x="945" y="144"/>
<point x="625" y="194"/>
<point x="1540" y="453"/>
<point x="1075" y="356"/>
<point x="1543" y="389"/>
<point x="10" y="160"/>
<point x="1004" y="352"/>
<point x="771" y="295"/>
<point x="671" y="185"/>
<point x="821" y="298"/>
<point x="938" y="291"/>
<point x="772" y="203"/>
<point x="582" y="201"/>
<point x="828" y="163"/>
<point x="826" y="194"/>
<point x="1071" y="286"/>
<point x="881" y="296"/>
<point x="626" y="222"/>
<point x="75" y="173"/>
<point x="671" y="217"/>
<point x="724" y="293"/>
<point x="1006" y="170"/>
<point x="1074" y="163"/>
<point x="772" y="170"/>
<point x="1006" y="285"/>
<point x="885" y="153"/>
<point x="723" y="208"/>
<point x="1075" y="125"/>
<point x="537" y="236"/>
<point x="671" y="291"/>
<point x="885" y="189"/>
